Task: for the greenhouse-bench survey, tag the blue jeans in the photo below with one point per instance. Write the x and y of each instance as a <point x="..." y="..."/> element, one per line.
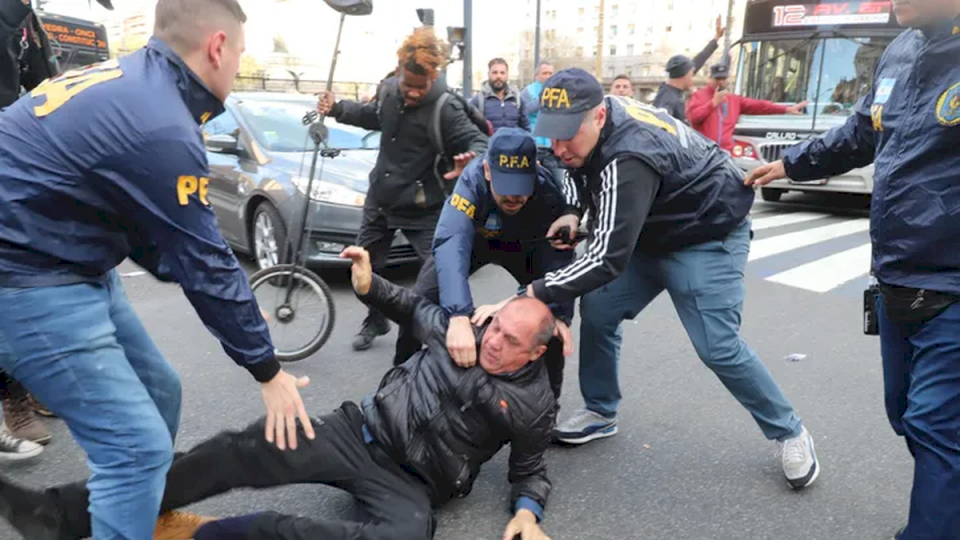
<point x="921" y="373"/>
<point x="706" y="284"/>
<point x="82" y="351"/>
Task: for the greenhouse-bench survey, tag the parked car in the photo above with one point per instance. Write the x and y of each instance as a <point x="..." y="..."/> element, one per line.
<point x="260" y="154"/>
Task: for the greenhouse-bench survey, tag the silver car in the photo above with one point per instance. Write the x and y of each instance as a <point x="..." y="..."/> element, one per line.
<point x="260" y="154"/>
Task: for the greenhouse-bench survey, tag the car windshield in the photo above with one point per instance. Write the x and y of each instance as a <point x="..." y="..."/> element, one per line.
<point x="278" y="127"/>
<point x="832" y="74"/>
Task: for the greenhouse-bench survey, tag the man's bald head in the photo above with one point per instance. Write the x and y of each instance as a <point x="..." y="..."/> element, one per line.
<point x="207" y="35"/>
<point x="517" y="336"/>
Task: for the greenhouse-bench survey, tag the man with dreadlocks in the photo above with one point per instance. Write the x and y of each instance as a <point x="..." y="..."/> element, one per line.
<point x="406" y="191"/>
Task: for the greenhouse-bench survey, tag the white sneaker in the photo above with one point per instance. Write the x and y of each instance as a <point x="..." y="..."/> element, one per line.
<point x="800" y="464"/>
<point x="584" y="426"/>
<point x="14" y="449"/>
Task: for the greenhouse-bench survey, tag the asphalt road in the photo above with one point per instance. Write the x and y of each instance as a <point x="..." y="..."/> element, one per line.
<point x="688" y="463"/>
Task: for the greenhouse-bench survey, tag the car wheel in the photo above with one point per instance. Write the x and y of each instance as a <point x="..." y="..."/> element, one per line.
<point x="269" y="236"/>
<point x="770" y="194"/>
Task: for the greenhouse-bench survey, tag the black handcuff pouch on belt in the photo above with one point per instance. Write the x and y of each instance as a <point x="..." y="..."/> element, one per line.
<point x="909" y="306"/>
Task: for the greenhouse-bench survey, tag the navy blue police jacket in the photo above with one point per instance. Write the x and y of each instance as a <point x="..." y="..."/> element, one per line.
<point x="470" y="214"/>
<point x="108" y="163"/>
<point x="909" y="127"/>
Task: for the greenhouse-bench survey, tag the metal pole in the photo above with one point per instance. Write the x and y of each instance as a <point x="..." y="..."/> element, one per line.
<point x="336" y="53"/>
<point x="726" y="38"/>
<point x="536" y="43"/>
<point x="599" y="65"/>
<point x="468" y="49"/>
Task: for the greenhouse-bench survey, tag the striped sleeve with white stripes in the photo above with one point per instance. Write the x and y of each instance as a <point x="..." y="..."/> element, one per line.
<point x="571" y="194"/>
<point x="628" y="187"/>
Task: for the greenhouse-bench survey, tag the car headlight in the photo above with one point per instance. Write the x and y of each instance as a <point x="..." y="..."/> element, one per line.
<point x="330" y="193"/>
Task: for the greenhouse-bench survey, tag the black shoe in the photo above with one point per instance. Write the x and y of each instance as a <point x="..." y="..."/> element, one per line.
<point x="31" y="513"/>
<point x="374" y="325"/>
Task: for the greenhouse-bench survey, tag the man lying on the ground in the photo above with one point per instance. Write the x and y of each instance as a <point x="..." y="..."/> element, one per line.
<point x="414" y="444"/>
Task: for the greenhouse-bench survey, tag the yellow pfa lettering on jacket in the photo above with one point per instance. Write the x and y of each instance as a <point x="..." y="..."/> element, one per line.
<point x="514" y="162"/>
<point x="555" y="98"/>
<point x="191" y="185"/>
<point x="463" y="205"/>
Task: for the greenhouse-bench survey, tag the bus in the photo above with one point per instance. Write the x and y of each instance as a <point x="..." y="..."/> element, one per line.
<point x="76" y="42"/>
<point x="822" y="51"/>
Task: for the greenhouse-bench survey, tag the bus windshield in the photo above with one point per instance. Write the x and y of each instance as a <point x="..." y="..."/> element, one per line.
<point x="77" y="42"/>
<point x="832" y="74"/>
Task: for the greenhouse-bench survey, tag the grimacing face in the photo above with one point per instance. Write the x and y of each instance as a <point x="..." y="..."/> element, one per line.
<point x="509" y="342"/>
<point x="413" y="86"/>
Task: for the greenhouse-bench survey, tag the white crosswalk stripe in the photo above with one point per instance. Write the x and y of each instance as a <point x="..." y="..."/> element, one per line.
<point x="780" y="220"/>
<point x="820" y="269"/>
<point x="783" y="243"/>
<point x="828" y="273"/>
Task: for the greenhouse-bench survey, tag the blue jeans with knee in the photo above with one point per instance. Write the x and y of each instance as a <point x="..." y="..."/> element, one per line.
<point x="706" y="284"/>
<point x="82" y="351"/>
<point x="921" y="373"/>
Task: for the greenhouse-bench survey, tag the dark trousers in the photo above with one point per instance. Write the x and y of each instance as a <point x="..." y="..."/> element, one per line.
<point x="394" y="503"/>
<point x="921" y="372"/>
<point x="523" y="264"/>
<point x="376" y="236"/>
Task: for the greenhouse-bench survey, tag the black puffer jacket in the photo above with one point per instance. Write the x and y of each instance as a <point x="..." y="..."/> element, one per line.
<point x="406" y="159"/>
<point x="443" y="422"/>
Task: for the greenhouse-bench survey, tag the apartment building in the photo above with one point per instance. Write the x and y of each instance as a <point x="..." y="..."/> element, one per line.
<point x="635" y="37"/>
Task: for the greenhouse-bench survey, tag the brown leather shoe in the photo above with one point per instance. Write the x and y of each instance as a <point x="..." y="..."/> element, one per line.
<point x="40" y="409"/>
<point x="179" y="525"/>
<point x="22" y="421"/>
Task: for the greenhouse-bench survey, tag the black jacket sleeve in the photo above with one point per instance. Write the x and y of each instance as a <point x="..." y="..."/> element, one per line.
<point x="701" y="58"/>
<point x="627" y="191"/>
<point x="528" y="463"/>
<point x="459" y="132"/>
<point x="406" y="308"/>
<point x="364" y="115"/>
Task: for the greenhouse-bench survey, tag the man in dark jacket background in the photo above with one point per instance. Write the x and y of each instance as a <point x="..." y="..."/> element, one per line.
<point x="416" y="443"/>
<point x="503" y="202"/>
<point x="672" y="94"/>
<point x="406" y="192"/>
<point x="908" y="126"/>
<point x="499" y="102"/>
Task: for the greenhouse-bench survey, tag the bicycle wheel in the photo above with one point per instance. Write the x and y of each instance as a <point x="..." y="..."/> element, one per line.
<point x="309" y="303"/>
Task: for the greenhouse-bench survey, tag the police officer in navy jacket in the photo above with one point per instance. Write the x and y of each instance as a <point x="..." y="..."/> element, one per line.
<point x="499" y="213"/>
<point x="908" y="126"/>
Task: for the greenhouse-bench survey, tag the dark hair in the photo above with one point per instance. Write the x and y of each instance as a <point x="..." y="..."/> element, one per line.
<point x="498" y="61"/>
<point x="422" y="52"/>
<point x="183" y="23"/>
<point x="622" y="77"/>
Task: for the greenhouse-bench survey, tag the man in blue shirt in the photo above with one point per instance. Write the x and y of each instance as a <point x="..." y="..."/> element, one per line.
<point x="530" y="103"/>
<point x="908" y="126"/>
<point x="106" y="164"/>
<point x="501" y="203"/>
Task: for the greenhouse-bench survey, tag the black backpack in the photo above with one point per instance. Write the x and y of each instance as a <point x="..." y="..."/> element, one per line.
<point x="443" y="162"/>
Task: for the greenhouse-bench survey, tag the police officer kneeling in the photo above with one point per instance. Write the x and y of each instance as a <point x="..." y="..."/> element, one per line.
<point x="909" y="127"/>
<point x="670" y="213"/>
<point x="499" y="204"/>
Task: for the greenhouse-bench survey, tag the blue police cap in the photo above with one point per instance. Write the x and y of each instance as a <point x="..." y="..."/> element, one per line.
<point x="565" y="101"/>
<point x="512" y="157"/>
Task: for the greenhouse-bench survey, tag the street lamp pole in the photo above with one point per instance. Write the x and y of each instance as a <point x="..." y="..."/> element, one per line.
<point x="536" y="42"/>
<point x="468" y="48"/>
<point x="729" y="23"/>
